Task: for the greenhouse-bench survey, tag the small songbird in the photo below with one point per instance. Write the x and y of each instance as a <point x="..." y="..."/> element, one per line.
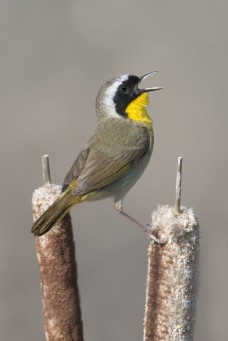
<point x="115" y="156"/>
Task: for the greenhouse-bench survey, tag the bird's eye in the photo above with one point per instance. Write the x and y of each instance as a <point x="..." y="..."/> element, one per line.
<point x="124" y="89"/>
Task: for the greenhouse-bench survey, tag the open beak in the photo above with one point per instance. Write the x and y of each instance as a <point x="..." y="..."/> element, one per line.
<point x="149" y="89"/>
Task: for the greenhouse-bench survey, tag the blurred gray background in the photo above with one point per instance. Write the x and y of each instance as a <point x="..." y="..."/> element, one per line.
<point x="54" y="57"/>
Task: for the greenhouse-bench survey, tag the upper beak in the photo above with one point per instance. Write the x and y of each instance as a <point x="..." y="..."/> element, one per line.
<point x="149" y="89"/>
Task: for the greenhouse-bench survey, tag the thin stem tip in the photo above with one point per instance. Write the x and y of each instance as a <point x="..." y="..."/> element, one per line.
<point x="178" y="184"/>
<point x="46" y="169"/>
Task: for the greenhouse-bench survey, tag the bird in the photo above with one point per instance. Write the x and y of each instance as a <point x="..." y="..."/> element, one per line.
<point x="115" y="156"/>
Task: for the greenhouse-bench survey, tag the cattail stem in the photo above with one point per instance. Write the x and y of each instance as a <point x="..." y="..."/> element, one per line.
<point x="178" y="184"/>
<point x="46" y="169"/>
<point x="58" y="272"/>
<point x="173" y="276"/>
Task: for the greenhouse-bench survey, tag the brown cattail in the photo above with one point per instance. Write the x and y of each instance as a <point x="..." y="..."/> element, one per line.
<point x="56" y="257"/>
<point x="173" y="276"/>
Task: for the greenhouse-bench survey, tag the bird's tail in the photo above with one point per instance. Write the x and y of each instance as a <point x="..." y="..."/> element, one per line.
<point x="55" y="212"/>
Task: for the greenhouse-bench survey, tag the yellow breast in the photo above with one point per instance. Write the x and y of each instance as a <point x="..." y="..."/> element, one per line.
<point x="136" y="110"/>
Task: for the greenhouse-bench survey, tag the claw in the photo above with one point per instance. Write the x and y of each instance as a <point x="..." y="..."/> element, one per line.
<point x="152" y="237"/>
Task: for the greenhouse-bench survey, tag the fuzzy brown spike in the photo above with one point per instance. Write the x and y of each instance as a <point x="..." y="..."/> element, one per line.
<point x="58" y="268"/>
<point x="173" y="276"/>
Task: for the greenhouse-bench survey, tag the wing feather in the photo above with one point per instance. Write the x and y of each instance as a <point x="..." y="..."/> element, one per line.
<point x="102" y="170"/>
<point x="76" y="168"/>
<point x="96" y="168"/>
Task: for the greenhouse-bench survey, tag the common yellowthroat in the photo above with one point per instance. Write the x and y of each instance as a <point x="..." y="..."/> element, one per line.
<point x="114" y="157"/>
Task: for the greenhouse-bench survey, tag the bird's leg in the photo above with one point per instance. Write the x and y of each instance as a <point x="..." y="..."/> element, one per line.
<point x="119" y="208"/>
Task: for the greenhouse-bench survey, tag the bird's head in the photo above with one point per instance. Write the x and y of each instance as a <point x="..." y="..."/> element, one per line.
<point x="121" y="98"/>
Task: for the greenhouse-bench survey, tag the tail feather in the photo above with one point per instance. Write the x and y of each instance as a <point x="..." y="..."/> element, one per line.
<point x="55" y="213"/>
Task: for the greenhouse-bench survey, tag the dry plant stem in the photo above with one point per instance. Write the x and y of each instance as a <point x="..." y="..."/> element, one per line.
<point x="172" y="280"/>
<point x="178" y="184"/>
<point x="46" y="169"/>
<point x="56" y="257"/>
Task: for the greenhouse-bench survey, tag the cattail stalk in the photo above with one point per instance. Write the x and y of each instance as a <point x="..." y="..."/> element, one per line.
<point x="173" y="275"/>
<point x="58" y="272"/>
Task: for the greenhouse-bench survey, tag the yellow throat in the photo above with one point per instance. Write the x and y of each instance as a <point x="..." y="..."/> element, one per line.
<point x="136" y="110"/>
